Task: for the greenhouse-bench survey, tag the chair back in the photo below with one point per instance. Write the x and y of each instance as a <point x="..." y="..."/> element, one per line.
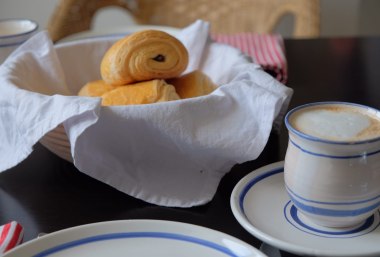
<point x="225" y="16"/>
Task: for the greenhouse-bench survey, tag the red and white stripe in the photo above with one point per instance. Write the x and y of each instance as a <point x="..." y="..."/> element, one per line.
<point x="11" y="235"/>
<point x="265" y="49"/>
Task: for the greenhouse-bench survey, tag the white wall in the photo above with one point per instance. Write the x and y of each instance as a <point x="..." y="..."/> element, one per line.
<point x="338" y="17"/>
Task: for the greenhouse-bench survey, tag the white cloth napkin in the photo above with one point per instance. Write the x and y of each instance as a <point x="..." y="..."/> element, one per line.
<point x="171" y="153"/>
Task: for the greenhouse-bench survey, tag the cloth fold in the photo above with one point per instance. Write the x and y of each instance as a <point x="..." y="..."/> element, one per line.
<point x="268" y="50"/>
<point x="171" y="153"/>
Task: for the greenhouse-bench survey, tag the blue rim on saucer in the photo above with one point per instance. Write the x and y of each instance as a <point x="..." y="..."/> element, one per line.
<point x="262" y="206"/>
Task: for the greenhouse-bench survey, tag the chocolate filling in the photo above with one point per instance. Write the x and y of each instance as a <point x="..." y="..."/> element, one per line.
<point x="159" y="58"/>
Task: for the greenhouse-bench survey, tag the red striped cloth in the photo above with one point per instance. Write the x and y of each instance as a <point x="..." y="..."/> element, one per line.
<point x="265" y="49"/>
<point x="11" y="235"/>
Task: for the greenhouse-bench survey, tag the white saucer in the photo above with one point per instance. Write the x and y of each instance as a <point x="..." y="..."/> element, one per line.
<point x="138" y="238"/>
<point x="262" y="206"/>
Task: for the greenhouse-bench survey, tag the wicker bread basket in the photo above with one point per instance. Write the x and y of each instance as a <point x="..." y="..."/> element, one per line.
<point x="73" y="16"/>
<point x="58" y="143"/>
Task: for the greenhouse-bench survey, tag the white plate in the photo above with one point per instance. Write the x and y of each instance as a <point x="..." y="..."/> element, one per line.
<point x="261" y="205"/>
<point x="117" y="32"/>
<point x="137" y="238"/>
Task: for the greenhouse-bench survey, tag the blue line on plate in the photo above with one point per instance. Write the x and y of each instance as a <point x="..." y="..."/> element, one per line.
<point x="127" y="235"/>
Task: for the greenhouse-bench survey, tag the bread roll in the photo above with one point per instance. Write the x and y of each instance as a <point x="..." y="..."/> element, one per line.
<point x="144" y="55"/>
<point x="193" y="84"/>
<point x="95" y="88"/>
<point x="146" y="92"/>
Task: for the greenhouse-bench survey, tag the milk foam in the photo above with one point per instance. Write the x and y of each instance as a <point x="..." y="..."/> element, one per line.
<point x="334" y="122"/>
<point x="8" y="28"/>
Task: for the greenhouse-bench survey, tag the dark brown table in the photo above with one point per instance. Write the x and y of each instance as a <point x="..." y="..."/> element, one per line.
<point x="45" y="193"/>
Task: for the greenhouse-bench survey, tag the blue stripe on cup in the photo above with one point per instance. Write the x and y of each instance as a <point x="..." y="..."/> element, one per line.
<point x="330" y="203"/>
<point x="332" y="212"/>
<point x="334" y="156"/>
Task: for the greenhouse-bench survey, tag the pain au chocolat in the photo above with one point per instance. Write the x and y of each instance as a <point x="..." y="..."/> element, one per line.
<point x="193" y="84"/>
<point x="146" y="92"/>
<point x="144" y="55"/>
<point x="146" y="67"/>
<point x="95" y="88"/>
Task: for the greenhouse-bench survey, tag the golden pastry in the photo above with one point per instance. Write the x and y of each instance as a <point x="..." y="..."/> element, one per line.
<point x="95" y="88"/>
<point x="146" y="92"/>
<point x="193" y="84"/>
<point x="144" y="55"/>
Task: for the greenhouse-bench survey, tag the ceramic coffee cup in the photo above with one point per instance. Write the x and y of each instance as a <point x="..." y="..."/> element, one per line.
<point x="14" y="32"/>
<point x="332" y="164"/>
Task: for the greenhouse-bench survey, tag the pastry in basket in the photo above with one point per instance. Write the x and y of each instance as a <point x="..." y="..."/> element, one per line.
<point x="145" y="92"/>
<point x="193" y="84"/>
<point x="95" y="88"/>
<point x="144" y="55"/>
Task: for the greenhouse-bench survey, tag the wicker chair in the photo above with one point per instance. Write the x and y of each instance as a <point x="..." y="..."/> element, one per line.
<point x="226" y="16"/>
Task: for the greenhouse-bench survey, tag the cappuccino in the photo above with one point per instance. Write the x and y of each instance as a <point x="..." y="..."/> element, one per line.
<point x="332" y="163"/>
<point x="337" y="122"/>
<point x="16" y="27"/>
<point x="13" y="32"/>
